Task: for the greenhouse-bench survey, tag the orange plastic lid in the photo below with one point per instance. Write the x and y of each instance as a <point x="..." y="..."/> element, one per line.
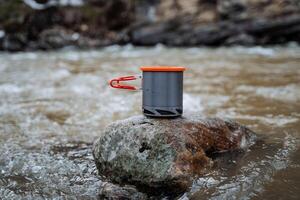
<point x="162" y="69"/>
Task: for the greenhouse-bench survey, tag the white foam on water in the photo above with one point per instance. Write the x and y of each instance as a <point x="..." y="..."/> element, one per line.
<point x="258" y="50"/>
<point x="272" y="120"/>
<point x="289" y="92"/>
<point x="81" y="89"/>
<point x="192" y="104"/>
<point x="47" y="92"/>
<point x="10" y="88"/>
<point x="60" y="74"/>
<point x="47" y="174"/>
<point x="286" y="93"/>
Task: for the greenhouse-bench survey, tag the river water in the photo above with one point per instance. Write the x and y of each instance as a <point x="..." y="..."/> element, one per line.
<point x="53" y="105"/>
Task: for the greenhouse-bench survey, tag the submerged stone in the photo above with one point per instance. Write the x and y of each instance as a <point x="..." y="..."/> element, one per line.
<point x="162" y="154"/>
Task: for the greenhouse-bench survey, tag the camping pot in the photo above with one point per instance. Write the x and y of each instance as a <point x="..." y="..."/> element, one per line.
<point x="162" y="88"/>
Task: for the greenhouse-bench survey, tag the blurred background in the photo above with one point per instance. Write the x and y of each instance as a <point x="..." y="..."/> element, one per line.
<point x="57" y="56"/>
<point x="52" y="24"/>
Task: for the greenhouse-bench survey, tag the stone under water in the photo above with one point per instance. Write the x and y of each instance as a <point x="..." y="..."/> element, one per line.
<point x="165" y="154"/>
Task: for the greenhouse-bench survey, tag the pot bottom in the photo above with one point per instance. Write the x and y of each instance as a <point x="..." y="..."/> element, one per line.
<point x="162" y="112"/>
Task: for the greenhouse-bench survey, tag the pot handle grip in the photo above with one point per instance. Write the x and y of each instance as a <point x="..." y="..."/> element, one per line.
<point x="115" y="83"/>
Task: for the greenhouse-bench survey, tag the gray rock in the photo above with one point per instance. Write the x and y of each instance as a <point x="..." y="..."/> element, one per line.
<point x="115" y="192"/>
<point x="13" y="42"/>
<point x="232" y="9"/>
<point x="55" y="38"/>
<point x="242" y="39"/>
<point x="165" y="154"/>
<point x="53" y="24"/>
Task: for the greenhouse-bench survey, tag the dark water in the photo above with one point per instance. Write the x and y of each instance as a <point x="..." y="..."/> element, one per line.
<point x="54" y="105"/>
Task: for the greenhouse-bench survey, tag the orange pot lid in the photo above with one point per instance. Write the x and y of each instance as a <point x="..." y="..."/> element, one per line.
<point x="162" y="68"/>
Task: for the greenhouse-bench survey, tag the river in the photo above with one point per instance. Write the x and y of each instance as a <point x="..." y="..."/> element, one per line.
<point x="53" y="105"/>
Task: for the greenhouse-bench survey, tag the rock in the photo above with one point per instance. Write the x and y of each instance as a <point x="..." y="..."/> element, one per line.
<point x="247" y="32"/>
<point x="151" y="34"/>
<point x="159" y="155"/>
<point x="232" y="9"/>
<point x="115" y="192"/>
<point x="241" y="39"/>
<point x="13" y="42"/>
<point x="32" y="24"/>
<point x="55" y="38"/>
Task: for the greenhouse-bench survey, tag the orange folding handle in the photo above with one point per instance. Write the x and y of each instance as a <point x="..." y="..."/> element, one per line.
<point x="115" y="83"/>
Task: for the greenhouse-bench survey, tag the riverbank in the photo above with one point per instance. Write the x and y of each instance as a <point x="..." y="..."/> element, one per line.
<point x="44" y="24"/>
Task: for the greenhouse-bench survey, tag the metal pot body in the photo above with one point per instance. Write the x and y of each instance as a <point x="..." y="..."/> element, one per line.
<point x="162" y="93"/>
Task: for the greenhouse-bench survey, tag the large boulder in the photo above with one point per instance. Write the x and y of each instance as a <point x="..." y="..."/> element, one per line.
<point x="165" y="154"/>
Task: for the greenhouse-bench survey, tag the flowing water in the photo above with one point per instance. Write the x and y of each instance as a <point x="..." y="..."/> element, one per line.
<point x="53" y="105"/>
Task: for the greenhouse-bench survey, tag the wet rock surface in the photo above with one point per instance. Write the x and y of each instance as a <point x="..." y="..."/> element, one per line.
<point x="48" y="24"/>
<point x="114" y="191"/>
<point x="158" y="155"/>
